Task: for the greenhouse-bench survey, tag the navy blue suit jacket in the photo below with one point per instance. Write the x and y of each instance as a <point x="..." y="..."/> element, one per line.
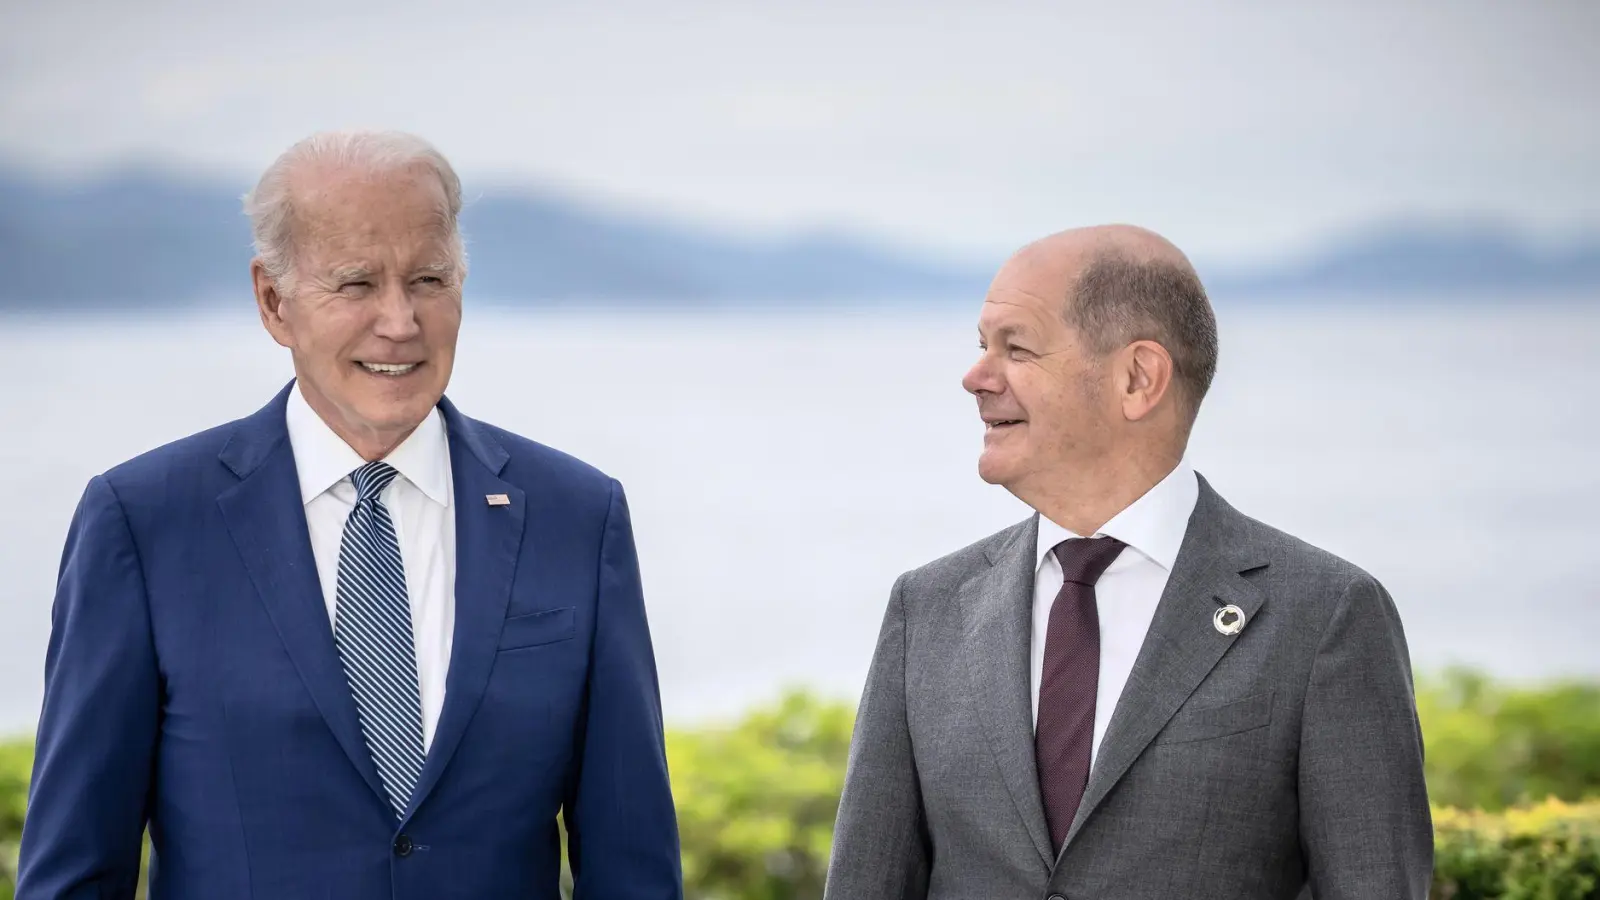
<point x="191" y="684"/>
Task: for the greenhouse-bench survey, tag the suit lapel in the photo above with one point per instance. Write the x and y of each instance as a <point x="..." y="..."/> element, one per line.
<point x="997" y="607"/>
<point x="488" y="543"/>
<point x="1181" y="646"/>
<point x="267" y="522"/>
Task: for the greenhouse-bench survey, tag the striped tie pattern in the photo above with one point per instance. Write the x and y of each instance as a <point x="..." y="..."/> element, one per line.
<point x="372" y="632"/>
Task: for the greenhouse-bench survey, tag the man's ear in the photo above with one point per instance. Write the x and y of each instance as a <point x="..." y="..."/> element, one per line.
<point x="269" y="303"/>
<point x="1147" y="374"/>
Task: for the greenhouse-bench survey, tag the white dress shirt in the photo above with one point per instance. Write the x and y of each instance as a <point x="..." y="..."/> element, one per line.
<point x="1127" y="593"/>
<point x="419" y="501"/>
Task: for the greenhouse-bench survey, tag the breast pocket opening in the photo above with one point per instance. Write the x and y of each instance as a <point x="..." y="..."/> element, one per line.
<point x="1207" y="723"/>
<point x="543" y="627"/>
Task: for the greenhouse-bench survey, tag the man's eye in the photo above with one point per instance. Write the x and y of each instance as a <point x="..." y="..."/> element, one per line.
<point x="430" y="279"/>
<point x="355" y="285"/>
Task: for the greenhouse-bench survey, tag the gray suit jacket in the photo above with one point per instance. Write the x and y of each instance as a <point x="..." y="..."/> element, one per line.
<point x="1256" y="765"/>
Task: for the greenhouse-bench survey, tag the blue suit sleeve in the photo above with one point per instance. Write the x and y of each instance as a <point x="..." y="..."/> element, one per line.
<point x="88" y="801"/>
<point x="621" y="824"/>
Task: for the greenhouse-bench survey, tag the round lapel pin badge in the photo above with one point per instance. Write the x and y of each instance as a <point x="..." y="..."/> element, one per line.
<point x="1228" y="620"/>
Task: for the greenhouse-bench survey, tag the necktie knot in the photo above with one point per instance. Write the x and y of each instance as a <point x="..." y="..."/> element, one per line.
<point x="1084" y="560"/>
<point x="371" y="479"/>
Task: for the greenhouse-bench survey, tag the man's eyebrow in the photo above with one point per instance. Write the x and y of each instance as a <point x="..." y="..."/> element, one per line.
<point x="352" y="273"/>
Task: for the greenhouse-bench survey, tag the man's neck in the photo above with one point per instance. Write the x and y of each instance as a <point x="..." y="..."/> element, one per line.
<point x="369" y="444"/>
<point x="1083" y="500"/>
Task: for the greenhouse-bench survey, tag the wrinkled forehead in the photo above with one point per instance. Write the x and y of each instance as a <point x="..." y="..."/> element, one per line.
<point x="1046" y="267"/>
<point x="1033" y="287"/>
<point x="1012" y="310"/>
<point x="332" y="201"/>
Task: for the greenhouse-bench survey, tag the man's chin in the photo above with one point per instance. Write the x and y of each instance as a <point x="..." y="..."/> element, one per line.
<point x="401" y="420"/>
<point x="390" y="416"/>
<point x="400" y="399"/>
<point x="994" y="471"/>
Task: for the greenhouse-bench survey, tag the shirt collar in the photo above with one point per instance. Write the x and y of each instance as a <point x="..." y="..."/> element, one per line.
<point x="323" y="459"/>
<point x="1154" y="524"/>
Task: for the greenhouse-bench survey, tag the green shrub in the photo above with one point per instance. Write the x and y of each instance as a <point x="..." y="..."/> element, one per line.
<point x="16" y="763"/>
<point x="1489" y="746"/>
<point x="756" y="798"/>
<point x="1549" y="851"/>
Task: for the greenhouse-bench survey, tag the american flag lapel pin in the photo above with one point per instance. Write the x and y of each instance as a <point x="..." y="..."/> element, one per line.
<point x="497" y="499"/>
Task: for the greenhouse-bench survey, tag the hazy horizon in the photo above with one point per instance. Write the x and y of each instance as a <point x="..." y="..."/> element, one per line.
<point x="1238" y="130"/>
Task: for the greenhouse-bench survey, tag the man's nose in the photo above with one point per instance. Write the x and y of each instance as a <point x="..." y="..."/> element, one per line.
<point x="397" y="315"/>
<point x="983" y="377"/>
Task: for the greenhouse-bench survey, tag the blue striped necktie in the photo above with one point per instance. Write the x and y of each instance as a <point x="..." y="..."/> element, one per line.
<point x="372" y="632"/>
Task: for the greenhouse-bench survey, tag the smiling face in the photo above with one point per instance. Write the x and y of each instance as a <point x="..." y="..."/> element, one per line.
<point x="1044" y="396"/>
<point x="375" y="308"/>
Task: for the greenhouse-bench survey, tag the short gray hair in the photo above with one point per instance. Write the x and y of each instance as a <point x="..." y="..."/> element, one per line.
<point x="1118" y="300"/>
<point x="270" y="206"/>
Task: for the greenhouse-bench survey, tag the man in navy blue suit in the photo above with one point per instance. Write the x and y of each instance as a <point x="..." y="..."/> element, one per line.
<point x="355" y="645"/>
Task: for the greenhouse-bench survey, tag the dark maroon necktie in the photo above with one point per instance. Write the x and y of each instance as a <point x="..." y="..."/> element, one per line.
<point x="1064" y="734"/>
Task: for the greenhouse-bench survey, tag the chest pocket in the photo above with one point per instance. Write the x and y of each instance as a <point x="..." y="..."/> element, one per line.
<point x="534" y="629"/>
<point x="1208" y="722"/>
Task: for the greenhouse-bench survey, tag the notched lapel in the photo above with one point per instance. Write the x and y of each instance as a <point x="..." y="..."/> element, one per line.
<point x="1180" y="649"/>
<point x="267" y="522"/>
<point x="488" y="544"/>
<point x="997" y="608"/>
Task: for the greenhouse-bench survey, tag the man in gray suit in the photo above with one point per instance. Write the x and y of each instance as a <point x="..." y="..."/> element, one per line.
<point x="1138" y="692"/>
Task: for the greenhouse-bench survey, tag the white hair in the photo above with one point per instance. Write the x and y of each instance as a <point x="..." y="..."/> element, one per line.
<point x="271" y="211"/>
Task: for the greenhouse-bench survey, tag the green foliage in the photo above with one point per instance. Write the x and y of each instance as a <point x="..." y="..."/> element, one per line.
<point x="16" y="763"/>
<point x="1549" y="851"/>
<point x="756" y="801"/>
<point x="1489" y="746"/>
<point x="756" y="798"/>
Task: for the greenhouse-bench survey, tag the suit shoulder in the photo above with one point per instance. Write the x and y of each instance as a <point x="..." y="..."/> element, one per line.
<point x="530" y="462"/>
<point x="158" y="466"/>
<point x="956" y="567"/>
<point x="1299" y="556"/>
<point x="1307" y="578"/>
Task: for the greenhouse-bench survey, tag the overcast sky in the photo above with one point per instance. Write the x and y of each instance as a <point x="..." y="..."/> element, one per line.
<point x="1239" y="129"/>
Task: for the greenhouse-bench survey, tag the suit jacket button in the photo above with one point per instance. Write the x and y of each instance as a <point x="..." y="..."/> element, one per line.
<point x="1055" y="897"/>
<point x="403" y="846"/>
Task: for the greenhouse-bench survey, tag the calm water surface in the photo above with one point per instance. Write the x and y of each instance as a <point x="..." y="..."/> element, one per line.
<point x="784" y="468"/>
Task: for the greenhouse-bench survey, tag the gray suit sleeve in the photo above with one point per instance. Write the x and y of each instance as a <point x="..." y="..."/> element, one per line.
<point x="880" y="841"/>
<point x="1364" y="819"/>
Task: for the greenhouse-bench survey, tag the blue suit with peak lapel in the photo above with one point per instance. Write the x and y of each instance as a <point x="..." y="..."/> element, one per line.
<point x="192" y="685"/>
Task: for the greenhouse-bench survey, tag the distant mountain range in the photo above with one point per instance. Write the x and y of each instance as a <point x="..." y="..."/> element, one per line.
<point x="140" y="239"/>
<point x="1431" y="259"/>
